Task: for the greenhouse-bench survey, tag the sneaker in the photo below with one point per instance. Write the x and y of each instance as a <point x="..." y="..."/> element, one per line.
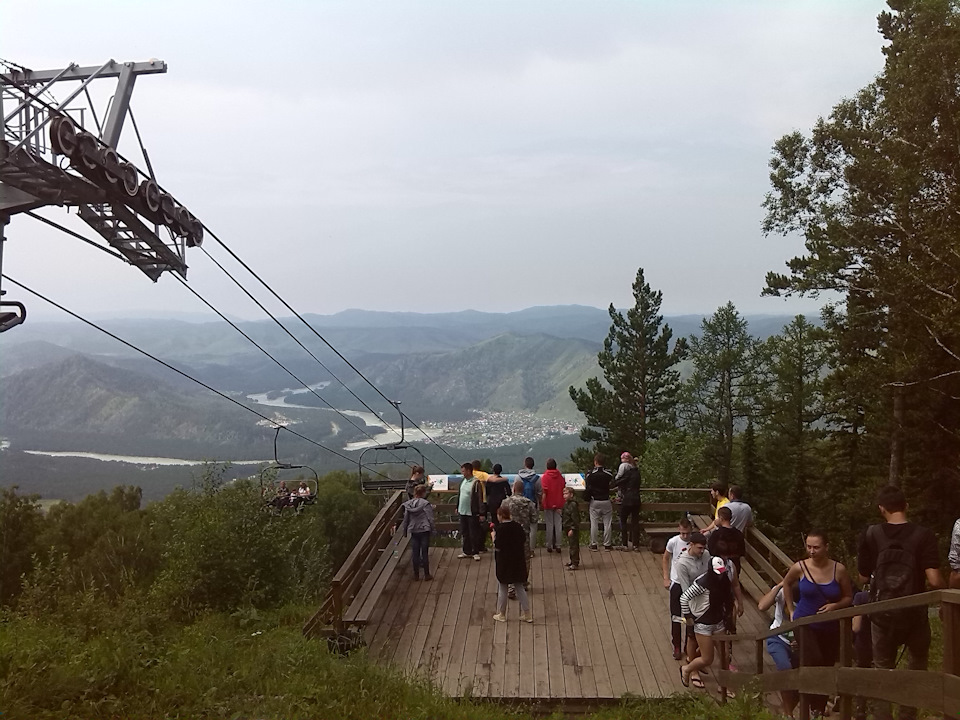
<point x="637" y="548"/>
<point x="595" y="548"/>
<point x="526" y="617"/>
<point x="499" y="617"/>
<point x="461" y="556"/>
<point x="571" y="566"/>
<point x="477" y="558"/>
<point x="677" y="655"/>
<point x="608" y="548"/>
<point x="549" y="549"/>
<point x="428" y="577"/>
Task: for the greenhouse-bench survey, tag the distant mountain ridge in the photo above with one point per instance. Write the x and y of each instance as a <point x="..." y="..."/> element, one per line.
<point x="79" y="394"/>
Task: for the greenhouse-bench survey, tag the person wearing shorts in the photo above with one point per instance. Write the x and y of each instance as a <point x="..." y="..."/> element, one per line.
<point x="706" y="602"/>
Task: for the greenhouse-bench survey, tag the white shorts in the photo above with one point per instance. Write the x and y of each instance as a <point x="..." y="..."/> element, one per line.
<point x="707" y="629"/>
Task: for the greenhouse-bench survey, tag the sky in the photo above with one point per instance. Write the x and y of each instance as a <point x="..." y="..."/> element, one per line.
<point x="436" y="156"/>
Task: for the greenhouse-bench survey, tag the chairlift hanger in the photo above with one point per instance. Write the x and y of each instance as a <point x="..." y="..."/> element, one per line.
<point x="371" y="486"/>
<point x="278" y="465"/>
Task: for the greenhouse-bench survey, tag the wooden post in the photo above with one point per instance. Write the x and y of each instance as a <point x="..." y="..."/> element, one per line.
<point x="803" y="652"/>
<point x="724" y="665"/>
<point x="846" y="660"/>
<point x="951" y="637"/>
<point x="336" y="592"/>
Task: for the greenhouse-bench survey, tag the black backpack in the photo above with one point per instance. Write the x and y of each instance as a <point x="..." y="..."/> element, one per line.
<point x="895" y="575"/>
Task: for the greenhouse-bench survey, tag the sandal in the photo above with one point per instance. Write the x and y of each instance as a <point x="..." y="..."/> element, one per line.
<point x="697" y="683"/>
<point x="684" y="679"/>
<point x="730" y="693"/>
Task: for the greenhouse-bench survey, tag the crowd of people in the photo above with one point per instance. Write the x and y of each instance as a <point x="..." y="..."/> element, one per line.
<point x="701" y="569"/>
<point x="896" y="558"/>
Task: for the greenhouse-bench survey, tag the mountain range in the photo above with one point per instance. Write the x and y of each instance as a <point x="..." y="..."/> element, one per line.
<point x="64" y="386"/>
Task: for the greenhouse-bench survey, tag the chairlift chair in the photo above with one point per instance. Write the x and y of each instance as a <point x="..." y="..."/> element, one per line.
<point x="399" y="455"/>
<point x="296" y="502"/>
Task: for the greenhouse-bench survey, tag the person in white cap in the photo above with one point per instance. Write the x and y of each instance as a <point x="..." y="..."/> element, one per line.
<point x="706" y="603"/>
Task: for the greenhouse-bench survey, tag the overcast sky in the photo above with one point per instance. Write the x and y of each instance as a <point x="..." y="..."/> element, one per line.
<point x="437" y="156"/>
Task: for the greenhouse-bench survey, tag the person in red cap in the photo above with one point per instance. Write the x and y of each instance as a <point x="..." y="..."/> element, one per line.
<point x="705" y="604"/>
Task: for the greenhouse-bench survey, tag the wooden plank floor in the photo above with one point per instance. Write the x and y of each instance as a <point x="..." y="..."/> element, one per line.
<point x="599" y="632"/>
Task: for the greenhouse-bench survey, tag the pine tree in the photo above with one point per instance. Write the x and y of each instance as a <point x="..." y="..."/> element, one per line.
<point x="721" y="392"/>
<point x="792" y="407"/>
<point x="637" y="398"/>
<point x="874" y="190"/>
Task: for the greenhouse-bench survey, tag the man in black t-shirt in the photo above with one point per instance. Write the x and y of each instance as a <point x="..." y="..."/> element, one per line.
<point x="727" y="542"/>
<point x="910" y="629"/>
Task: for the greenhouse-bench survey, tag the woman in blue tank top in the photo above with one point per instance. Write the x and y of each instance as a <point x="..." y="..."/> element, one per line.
<point x="824" y="586"/>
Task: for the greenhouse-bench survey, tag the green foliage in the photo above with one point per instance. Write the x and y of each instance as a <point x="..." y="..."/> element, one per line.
<point x="791" y="412"/>
<point x="104" y="542"/>
<point x="722" y="390"/>
<point x="263" y="667"/>
<point x="675" y="460"/>
<point x="636" y="401"/>
<point x="20" y="526"/>
<point x="873" y="189"/>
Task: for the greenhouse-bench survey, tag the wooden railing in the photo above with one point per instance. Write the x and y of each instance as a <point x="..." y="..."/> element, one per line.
<point x="446" y="510"/>
<point x="354" y="572"/>
<point x="931" y="690"/>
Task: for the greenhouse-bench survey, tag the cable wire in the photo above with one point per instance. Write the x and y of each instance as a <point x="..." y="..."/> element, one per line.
<point x="267" y="353"/>
<point x="294" y="337"/>
<point x="225" y="319"/>
<point x="177" y="370"/>
<point x="22" y="88"/>
<point x="77" y="235"/>
<point x="323" y="339"/>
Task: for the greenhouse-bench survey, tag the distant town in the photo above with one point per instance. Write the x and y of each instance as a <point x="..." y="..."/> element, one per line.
<point x="491" y="428"/>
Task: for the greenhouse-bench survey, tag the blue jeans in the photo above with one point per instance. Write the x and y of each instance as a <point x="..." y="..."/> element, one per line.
<point x="419" y="547"/>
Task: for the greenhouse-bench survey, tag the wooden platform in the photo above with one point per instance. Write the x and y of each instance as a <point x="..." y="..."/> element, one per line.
<point x="599" y="632"/>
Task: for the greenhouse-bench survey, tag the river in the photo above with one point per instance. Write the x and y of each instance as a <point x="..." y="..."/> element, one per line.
<point x="134" y="459"/>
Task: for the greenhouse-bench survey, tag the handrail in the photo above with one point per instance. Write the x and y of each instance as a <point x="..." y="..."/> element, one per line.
<point x="939" y="691"/>
<point x="930" y="597"/>
<point x="349" y="577"/>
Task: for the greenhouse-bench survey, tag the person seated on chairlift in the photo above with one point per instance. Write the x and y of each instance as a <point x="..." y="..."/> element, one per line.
<point x="282" y="498"/>
<point x="303" y="491"/>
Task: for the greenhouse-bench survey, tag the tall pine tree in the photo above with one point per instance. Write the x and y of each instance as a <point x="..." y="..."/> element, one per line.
<point x="637" y="398"/>
<point x="721" y="392"/>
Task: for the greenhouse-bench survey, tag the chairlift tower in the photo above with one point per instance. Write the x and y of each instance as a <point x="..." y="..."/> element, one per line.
<point x="49" y="157"/>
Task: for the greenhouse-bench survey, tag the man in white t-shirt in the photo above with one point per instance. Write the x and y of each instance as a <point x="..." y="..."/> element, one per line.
<point x="741" y="512"/>
<point x="675" y="546"/>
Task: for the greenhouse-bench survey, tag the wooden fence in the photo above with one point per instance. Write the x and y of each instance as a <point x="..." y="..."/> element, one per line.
<point x="932" y="690"/>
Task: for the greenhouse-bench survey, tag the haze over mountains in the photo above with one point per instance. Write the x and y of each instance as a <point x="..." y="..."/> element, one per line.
<point x="67" y="387"/>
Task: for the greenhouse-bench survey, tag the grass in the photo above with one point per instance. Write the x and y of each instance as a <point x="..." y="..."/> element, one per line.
<point x="246" y="665"/>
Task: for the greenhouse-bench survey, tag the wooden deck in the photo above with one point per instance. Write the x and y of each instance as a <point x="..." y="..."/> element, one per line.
<point x="599" y="632"/>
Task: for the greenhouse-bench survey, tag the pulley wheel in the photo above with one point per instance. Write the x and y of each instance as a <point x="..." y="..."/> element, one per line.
<point x="63" y="136"/>
<point x="150" y="194"/>
<point x="168" y="209"/>
<point x="111" y="163"/>
<point x="129" y="178"/>
<point x="88" y="151"/>
<point x="195" y="237"/>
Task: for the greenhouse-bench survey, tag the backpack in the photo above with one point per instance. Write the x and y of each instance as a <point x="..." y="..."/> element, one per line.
<point x="895" y="575"/>
<point x="530" y="487"/>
